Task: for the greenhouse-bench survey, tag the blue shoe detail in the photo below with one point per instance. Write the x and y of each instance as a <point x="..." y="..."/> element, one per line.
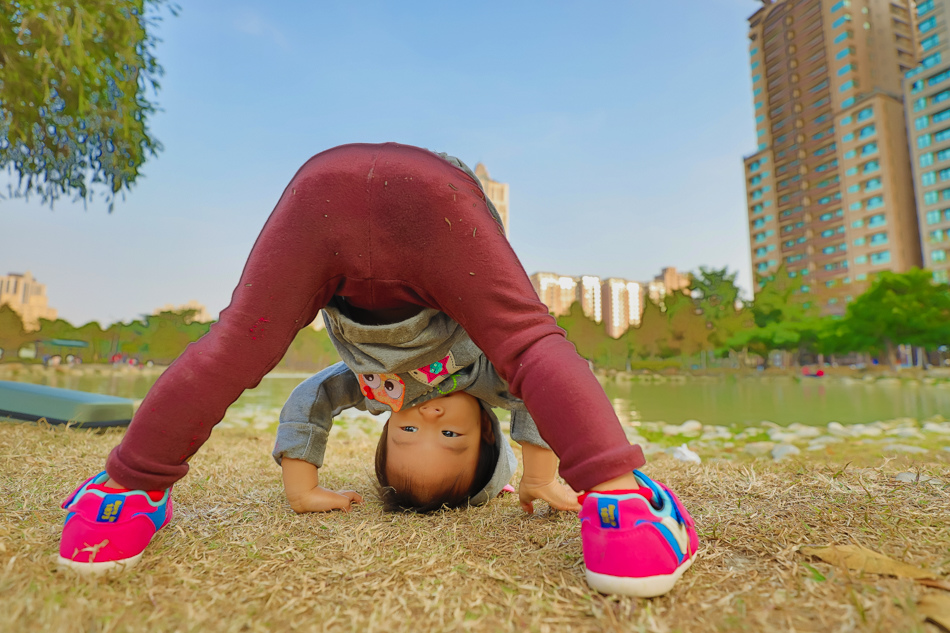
<point x="609" y="510"/>
<point x="665" y="531"/>
<point x="110" y="507"/>
<point x="158" y="517"/>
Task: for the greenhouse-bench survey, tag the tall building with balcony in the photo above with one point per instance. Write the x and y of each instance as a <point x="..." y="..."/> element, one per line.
<point x="497" y="192"/>
<point x="27" y="298"/>
<point x="927" y="99"/>
<point x="830" y="190"/>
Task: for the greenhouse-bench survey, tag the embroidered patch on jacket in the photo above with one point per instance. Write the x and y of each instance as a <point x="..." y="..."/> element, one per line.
<point x="434" y="373"/>
<point x="109" y="508"/>
<point x="386" y="388"/>
<point x="609" y="511"/>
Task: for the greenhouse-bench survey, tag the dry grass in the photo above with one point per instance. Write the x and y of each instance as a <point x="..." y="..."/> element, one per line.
<point x="236" y="558"/>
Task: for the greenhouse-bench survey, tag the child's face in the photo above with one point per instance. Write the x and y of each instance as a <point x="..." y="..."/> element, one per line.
<point x="435" y="443"/>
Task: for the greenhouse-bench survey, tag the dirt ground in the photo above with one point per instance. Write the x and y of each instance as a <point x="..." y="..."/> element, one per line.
<point x="236" y="558"/>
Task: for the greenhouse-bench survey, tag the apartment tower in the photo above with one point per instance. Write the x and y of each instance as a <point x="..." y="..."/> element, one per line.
<point x="927" y="95"/>
<point x="830" y="190"/>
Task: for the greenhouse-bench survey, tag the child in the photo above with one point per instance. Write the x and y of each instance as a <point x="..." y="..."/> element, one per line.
<point x="442" y="445"/>
<point x="389" y="228"/>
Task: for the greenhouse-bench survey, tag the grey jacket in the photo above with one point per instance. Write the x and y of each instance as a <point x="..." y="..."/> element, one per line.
<point x="399" y="366"/>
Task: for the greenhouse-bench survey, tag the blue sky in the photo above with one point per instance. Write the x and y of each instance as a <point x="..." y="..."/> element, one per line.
<point x="619" y="126"/>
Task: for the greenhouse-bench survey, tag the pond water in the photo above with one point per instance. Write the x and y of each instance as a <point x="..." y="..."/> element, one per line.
<point x="729" y="401"/>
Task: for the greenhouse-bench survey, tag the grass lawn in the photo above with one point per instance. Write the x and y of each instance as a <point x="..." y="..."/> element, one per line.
<point x="236" y="558"/>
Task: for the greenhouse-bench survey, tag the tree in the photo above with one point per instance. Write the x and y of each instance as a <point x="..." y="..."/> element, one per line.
<point x="716" y="295"/>
<point x="12" y="334"/>
<point x="899" y="308"/>
<point x="782" y="317"/>
<point x="74" y="102"/>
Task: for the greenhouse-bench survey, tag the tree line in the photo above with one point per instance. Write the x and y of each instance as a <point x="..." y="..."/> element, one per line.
<point x="708" y="321"/>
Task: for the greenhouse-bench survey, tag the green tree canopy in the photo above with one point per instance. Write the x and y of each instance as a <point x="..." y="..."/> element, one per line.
<point x="899" y="308"/>
<point x="76" y="77"/>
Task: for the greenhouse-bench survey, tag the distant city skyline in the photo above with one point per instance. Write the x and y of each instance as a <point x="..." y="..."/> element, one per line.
<point x="617" y="165"/>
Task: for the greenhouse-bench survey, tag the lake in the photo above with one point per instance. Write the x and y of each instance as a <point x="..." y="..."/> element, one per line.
<point x="729" y="401"/>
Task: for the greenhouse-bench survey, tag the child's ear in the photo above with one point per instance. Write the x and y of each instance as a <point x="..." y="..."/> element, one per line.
<point x="488" y="433"/>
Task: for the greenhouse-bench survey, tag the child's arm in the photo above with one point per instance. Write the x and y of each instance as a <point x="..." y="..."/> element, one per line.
<point x="540" y="481"/>
<point x="303" y="490"/>
<point x="302" y="435"/>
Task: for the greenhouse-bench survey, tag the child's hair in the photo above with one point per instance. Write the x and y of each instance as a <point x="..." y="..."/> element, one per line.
<point x="407" y="499"/>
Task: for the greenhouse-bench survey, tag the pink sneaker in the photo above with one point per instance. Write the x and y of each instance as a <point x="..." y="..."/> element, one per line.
<point x="108" y="529"/>
<point x="636" y="542"/>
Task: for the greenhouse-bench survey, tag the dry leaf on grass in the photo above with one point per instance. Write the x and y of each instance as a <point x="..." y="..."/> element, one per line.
<point x="936" y="609"/>
<point x="862" y="559"/>
<point x="936" y="584"/>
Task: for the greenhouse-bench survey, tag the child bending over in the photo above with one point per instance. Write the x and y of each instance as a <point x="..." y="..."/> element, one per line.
<point x="389" y="229"/>
<point x="442" y="445"/>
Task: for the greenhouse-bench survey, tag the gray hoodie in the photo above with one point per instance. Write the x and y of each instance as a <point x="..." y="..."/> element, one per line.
<point x="397" y="366"/>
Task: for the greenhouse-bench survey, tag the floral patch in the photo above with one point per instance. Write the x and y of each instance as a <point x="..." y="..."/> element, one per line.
<point x="386" y="388"/>
<point x="436" y="372"/>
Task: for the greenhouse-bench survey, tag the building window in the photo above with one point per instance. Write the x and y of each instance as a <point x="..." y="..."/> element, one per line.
<point x="859" y="241"/>
<point x="928" y="24"/>
<point x="855" y="206"/>
<point x="872" y="184"/>
<point x="919" y="123"/>
<point x="931" y="60"/>
<point x="923" y="141"/>
<point x="850" y="153"/>
<point x="844" y="19"/>
<point x="933" y="217"/>
<point x="844" y="69"/>
<point x="847" y="103"/>
<point x="851" y="172"/>
<point x="938" y="78"/>
<point x="854" y="188"/>
<point x="930" y="42"/>
<point x="861" y="259"/>
<point x="924" y="7"/>
<point x="942" y="135"/>
<point x="919" y="104"/>
<point x="848" y="137"/>
<point x="881" y="258"/>
<point x="842" y="37"/>
<point x="848" y="85"/>
<point x="875" y="202"/>
<point x="755" y="78"/>
<point x="926" y="160"/>
<point x="870" y="148"/>
<point x="930" y="197"/>
<point x="844" y="52"/>
<point x="867" y="131"/>
<point x="938" y="256"/>
<point x="930" y="178"/>
<point x="865" y="114"/>
<point x="876" y="220"/>
<point x="847" y="3"/>
<point x="879" y="238"/>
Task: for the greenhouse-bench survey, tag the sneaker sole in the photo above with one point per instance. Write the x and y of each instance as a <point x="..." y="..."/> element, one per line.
<point x="97" y="569"/>
<point x="647" y="587"/>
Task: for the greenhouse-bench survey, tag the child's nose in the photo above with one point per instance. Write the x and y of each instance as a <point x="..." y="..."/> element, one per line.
<point x="431" y="410"/>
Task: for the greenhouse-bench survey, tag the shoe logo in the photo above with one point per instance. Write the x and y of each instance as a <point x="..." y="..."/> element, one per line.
<point x="609" y="512"/>
<point x="109" y="508"/>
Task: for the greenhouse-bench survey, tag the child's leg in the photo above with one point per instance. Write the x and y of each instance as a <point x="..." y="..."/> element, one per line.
<point x="432" y="231"/>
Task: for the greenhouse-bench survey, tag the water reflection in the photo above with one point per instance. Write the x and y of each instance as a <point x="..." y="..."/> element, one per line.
<point x="727" y="401"/>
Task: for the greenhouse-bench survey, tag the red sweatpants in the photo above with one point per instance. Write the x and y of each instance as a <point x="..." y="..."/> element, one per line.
<point x="384" y="226"/>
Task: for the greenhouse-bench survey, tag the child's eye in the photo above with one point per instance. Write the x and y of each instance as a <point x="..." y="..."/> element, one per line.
<point x="450" y="434"/>
<point x="409" y="429"/>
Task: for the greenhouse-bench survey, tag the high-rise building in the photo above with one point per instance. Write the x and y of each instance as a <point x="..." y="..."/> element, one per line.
<point x="927" y="99"/>
<point x="497" y="192"/>
<point x="27" y="298"/>
<point x="830" y="192"/>
<point x="557" y="292"/>
<point x="588" y="294"/>
<point x="616" y="306"/>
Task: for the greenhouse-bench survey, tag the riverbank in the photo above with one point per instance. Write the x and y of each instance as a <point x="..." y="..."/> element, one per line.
<point x="237" y="558"/>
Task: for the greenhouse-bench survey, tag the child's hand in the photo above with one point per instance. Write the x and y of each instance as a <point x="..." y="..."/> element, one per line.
<point x="303" y="490"/>
<point x="540" y="481"/>
<point x="321" y="499"/>
<point x="555" y="493"/>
